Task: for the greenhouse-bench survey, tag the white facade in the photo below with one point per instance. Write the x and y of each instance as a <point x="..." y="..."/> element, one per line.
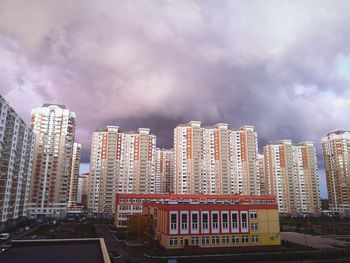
<point x="216" y="160"/>
<point x="292" y="175"/>
<point x="121" y="162"/>
<point x="164" y="171"/>
<point x="74" y="177"/>
<point x="54" y="127"/>
<point x="16" y="157"/>
<point x="82" y="191"/>
<point x="336" y="154"/>
<point x="246" y="178"/>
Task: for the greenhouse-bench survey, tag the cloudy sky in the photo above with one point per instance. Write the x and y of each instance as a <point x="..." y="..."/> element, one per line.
<point x="282" y="66"/>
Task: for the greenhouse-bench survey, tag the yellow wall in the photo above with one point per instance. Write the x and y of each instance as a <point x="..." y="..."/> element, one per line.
<point x="269" y="227"/>
<point x="264" y="240"/>
<point x="268" y="232"/>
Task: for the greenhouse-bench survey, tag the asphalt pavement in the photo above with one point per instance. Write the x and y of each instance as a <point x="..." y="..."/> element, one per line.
<point x="319" y="242"/>
<point x="128" y="254"/>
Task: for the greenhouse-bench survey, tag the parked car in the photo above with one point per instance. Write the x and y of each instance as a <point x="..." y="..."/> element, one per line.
<point x="4" y="236"/>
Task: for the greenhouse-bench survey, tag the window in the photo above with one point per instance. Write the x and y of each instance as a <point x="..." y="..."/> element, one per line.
<point x="215" y="240"/>
<point x="255" y="239"/>
<point x="225" y="239"/>
<point x="244" y="220"/>
<point x="224" y="220"/>
<point x="184" y="221"/>
<point x="235" y="239"/>
<point x="194" y="221"/>
<point x="254" y="226"/>
<point x="235" y="220"/>
<point x="245" y="239"/>
<point x="173" y="241"/>
<point x="205" y="221"/>
<point x="253" y="215"/>
<point x="194" y="241"/>
<point x="215" y="220"/>
<point x="173" y="222"/>
<point x="205" y="241"/>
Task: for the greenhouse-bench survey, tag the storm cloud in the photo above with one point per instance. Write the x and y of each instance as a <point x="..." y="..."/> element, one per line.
<point x="282" y="66"/>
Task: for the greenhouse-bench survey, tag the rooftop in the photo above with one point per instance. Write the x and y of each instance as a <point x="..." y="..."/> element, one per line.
<point x="193" y="198"/>
<point x="169" y="206"/>
<point x="56" y="251"/>
<point x="51" y="104"/>
<point x="337" y="132"/>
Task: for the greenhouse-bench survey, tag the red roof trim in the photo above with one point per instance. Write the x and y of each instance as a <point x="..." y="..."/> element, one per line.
<point x="210" y="207"/>
<point x="197" y="196"/>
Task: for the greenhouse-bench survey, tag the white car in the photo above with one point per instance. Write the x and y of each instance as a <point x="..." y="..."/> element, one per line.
<point x="4" y="236"/>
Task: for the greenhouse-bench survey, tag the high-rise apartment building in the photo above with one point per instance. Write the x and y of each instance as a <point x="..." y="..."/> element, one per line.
<point x="164" y="169"/>
<point x="215" y="160"/>
<point x="16" y="158"/>
<point x="121" y="162"/>
<point x="54" y="127"/>
<point x="82" y="192"/>
<point x="264" y="182"/>
<point x="246" y="163"/>
<point x="292" y="175"/>
<point x="336" y="154"/>
<point x="74" y="177"/>
<point x="188" y="145"/>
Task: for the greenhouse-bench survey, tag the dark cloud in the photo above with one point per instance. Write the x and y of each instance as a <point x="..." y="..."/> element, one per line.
<point x="281" y="66"/>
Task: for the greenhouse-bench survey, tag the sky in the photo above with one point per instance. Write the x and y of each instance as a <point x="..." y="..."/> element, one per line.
<point x="282" y="66"/>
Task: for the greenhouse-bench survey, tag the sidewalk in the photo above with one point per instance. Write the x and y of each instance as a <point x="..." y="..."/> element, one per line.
<point x="318" y="242"/>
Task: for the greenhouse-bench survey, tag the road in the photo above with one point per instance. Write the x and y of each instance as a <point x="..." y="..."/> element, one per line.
<point x="128" y="254"/>
<point x="318" y="242"/>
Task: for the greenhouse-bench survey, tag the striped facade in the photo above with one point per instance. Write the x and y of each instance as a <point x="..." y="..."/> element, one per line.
<point x="121" y="162"/>
<point x="16" y="158"/>
<point x="54" y="127"/>
<point x="292" y="175"/>
<point x="216" y="160"/>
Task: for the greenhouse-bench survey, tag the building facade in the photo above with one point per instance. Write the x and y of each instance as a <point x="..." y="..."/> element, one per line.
<point x="245" y="157"/>
<point x="207" y="221"/>
<point x="74" y="177"/>
<point x="82" y="192"/>
<point x="336" y="154"/>
<point x="16" y="158"/>
<point x="292" y="176"/>
<point x="127" y="205"/>
<point x="121" y="162"/>
<point x="54" y="127"/>
<point x="164" y="169"/>
<point x="216" y="160"/>
<point x="264" y="182"/>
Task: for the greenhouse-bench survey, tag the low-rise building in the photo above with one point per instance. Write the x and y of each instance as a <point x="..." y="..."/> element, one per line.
<point x="131" y="204"/>
<point x="215" y="222"/>
<point x="205" y="220"/>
